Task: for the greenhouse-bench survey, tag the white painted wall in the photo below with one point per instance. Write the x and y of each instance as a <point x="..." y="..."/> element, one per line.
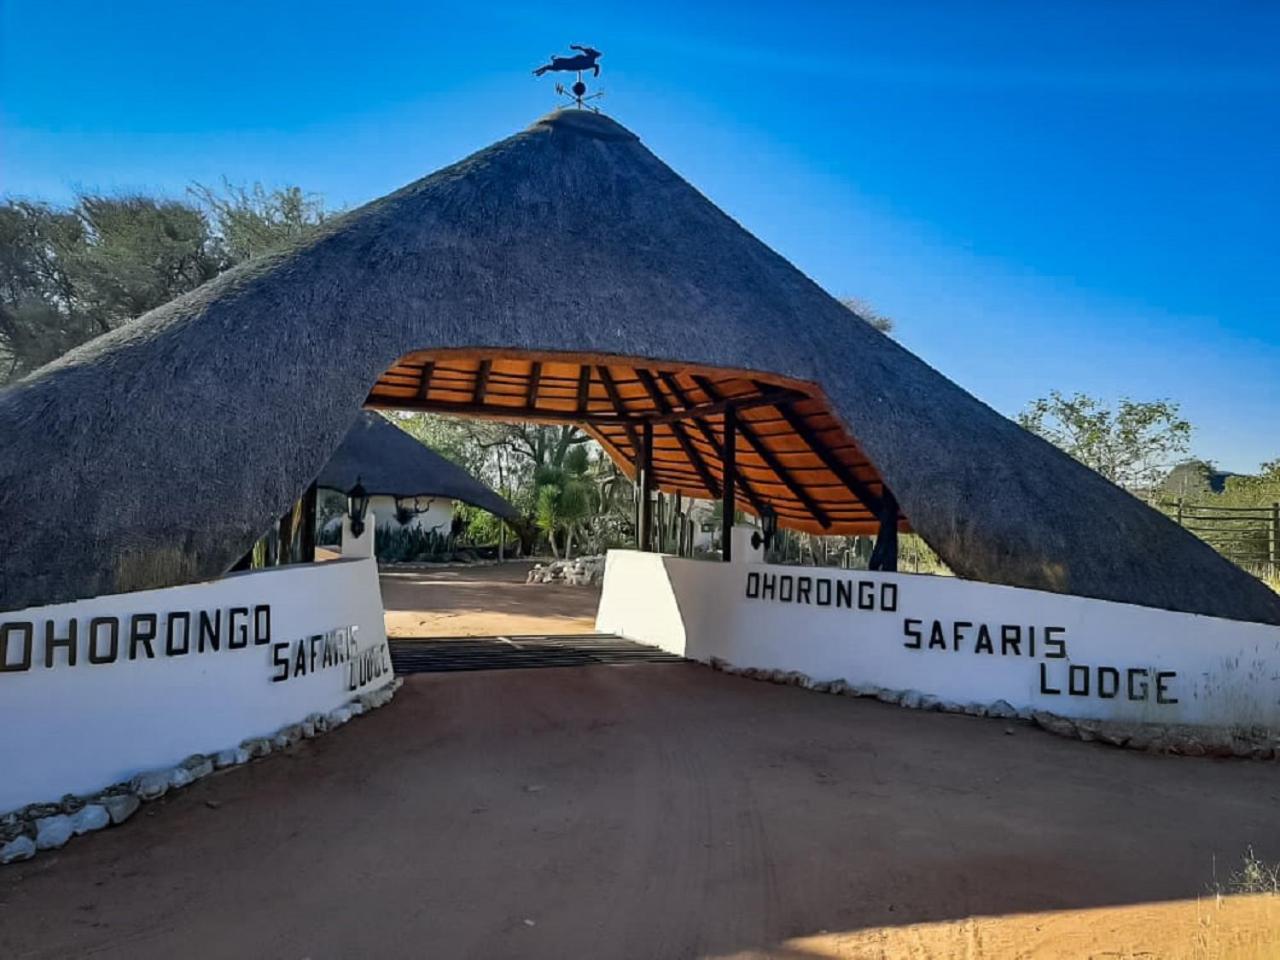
<point x="437" y="513"/>
<point x="1224" y="672"/>
<point x="361" y="547"/>
<point x="75" y="729"/>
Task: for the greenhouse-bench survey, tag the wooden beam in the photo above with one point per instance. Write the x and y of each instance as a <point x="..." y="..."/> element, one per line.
<point x="757" y="502"/>
<point x="771" y="399"/>
<point x="383" y="401"/>
<point x="535" y="374"/>
<point x="307" y="535"/>
<point x="677" y="429"/>
<point x="644" y="471"/>
<point x="495" y="411"/>
<point x="884" y="555"/>
<point x="830" y="460"/>
<point x="584" y="388"/>
<point x="482" y="381"/>
<point x="772" y="461"/>
<point x="619" y="406"/>
<point x="424" y="385"/>
<point x="729" y="502"/>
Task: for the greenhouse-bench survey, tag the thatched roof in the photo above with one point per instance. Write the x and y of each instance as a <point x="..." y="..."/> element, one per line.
<point x="174" y="442"/>
<point x="387" y="461"/>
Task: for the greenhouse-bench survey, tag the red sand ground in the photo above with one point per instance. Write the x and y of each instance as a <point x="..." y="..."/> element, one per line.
<point x="666" y="811"/>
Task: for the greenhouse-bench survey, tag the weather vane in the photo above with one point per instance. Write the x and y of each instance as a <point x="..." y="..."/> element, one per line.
<point x="584" y="60"/>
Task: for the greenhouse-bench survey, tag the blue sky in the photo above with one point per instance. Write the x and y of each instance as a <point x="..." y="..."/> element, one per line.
<point x="1081" y="196"/>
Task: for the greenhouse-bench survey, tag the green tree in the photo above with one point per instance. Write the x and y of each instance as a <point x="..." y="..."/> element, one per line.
<point x="1253" y="490"/>
<point x="138" y="253"/>
<point x="68" y="275"/>
<point x="40" y="315"/>
<point x="253" y="221"/>
<point x="1131" y="445"/>
<point x="566" y="498"/>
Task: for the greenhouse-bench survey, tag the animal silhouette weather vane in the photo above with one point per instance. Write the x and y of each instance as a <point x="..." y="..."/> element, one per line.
<point x="585" y="59"/>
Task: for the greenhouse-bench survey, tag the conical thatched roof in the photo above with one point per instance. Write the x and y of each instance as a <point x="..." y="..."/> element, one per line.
<point x="387" y="461"/>
<point x="174" y="442"/>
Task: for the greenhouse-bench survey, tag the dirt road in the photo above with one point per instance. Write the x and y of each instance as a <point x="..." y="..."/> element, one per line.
<point x="665" y="811"/>
<point x="478" y="601"/>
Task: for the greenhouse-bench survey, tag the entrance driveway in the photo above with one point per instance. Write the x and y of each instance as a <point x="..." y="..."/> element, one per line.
<point x="482" y="601"/>
<point x="658" y="810"/>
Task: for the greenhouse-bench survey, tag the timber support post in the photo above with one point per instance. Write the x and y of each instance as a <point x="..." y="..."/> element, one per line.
<point x="884" y="556"/>
<point x="288" y="525"/>
<point x="644" y="483"/>
<point x="307" y="535"/>
<point x="729" y="483"/>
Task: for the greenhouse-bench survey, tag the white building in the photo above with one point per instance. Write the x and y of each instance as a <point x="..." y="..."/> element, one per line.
<point x="410" y="486"/>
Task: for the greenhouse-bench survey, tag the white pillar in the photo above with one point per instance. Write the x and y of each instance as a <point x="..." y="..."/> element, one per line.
<point x="361" y="546"/>
<point x="743" y="551"/>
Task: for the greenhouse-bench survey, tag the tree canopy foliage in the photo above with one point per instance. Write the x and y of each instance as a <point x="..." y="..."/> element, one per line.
<point x="1133" y="444"/>
<point x="1254" y="490"/>
<point x="68" y="274"/>
<point x="563" y="484"/>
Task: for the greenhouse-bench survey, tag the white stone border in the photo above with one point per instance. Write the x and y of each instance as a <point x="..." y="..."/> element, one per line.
<point x="49" y="826"/>
<point x="1254" y="743"/>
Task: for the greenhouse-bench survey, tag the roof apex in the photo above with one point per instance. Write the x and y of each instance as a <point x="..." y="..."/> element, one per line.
<point x="588" y="123"/>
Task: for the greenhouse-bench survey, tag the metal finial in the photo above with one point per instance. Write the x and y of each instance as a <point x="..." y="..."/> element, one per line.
<point x="586" y="59"/>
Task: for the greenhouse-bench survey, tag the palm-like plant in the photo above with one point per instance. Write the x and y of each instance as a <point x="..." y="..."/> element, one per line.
<point x="565" y="498"/>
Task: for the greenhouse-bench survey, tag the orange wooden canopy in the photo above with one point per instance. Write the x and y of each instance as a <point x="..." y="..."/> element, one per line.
<point x="791" y="454"/>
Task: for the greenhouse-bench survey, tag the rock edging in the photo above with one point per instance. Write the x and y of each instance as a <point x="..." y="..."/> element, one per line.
<point x="1254" y="743"/>
<point x="1249" y="743"/>
<point x="49" y="826"/>
<point x="582" y="572"/>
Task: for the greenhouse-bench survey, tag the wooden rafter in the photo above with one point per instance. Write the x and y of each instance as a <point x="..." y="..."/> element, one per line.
<point x="619" y="406"/>
<point x="757" y="502"/>
<point x="770" y="458"/>
<point x="677" y="429"/>
<point x="830" y="460"/>
<point x="702" y="411"/>
<point x="482" y="381"/>
<point x="491" y="411"/>
<point x="535" y="375"/>
<point x="584" y="388"/>
<point x="424" y="384"/>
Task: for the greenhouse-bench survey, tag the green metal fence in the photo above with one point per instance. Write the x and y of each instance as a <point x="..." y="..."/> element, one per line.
<point x="1249" y="536"/>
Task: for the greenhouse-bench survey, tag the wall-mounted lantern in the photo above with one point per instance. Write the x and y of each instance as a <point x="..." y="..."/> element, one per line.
<point x="763" y="538"/>
<point x="357" y="507"/>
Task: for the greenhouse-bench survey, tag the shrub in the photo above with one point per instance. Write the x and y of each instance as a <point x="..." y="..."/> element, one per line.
<point x="412" y="544"/>
<point x="1254" y="876"/>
